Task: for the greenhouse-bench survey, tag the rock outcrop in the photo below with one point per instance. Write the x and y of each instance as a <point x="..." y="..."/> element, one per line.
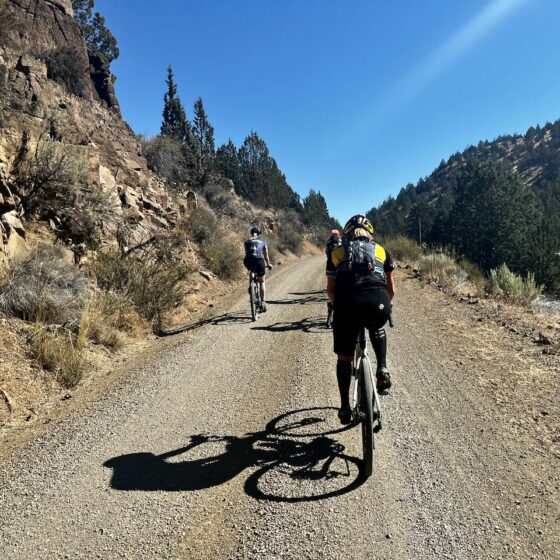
<point x="39" y="42"/>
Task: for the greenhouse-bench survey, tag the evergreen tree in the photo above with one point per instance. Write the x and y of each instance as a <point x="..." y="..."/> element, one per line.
<point x="227" y="162"/>
<point x="204" y="134"/>
<point x="315" y="211"/>
<point x="176" y="125"/>
<point x="99" y="39"/>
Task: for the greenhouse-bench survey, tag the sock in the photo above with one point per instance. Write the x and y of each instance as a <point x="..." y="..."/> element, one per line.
<point x="379" y="343"/>
<point x="343" y="375"/>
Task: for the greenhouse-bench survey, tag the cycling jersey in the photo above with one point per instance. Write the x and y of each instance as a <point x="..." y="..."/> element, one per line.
<point x="255" y="248"/>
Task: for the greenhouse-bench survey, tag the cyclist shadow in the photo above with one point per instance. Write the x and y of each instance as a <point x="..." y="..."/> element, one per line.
<point x="302" y="459"/>
<point x="225" y="319"/>
<point x="303" y="298"/>
<point x="314" y="325"/>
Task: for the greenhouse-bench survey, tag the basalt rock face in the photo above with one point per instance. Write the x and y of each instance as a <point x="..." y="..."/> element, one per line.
<point x="50" y="88"/>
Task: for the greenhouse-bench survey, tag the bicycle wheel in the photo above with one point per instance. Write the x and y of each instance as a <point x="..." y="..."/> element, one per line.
<point x="254" y="302"/>
<point x="366" y="406"/>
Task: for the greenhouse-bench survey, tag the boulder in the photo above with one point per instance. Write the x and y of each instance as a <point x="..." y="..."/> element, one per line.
<point x="12" y="223"/>
<point x="106" y="179"/>
<point x="16" y="248"/>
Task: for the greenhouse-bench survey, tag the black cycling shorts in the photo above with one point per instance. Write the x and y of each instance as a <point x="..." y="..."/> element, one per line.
<point x="255" y="265"/>
<point x="366" y="309"/>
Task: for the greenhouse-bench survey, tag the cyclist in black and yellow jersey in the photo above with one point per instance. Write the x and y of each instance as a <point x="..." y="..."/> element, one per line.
<point x="363" y="290"/>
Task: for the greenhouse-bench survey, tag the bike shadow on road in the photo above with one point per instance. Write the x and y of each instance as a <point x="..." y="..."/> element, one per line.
<point x="224" y="319"/>
<point x="315" y="325"/>
<point x="302" y="298"/>
<point x="294" y="459"/>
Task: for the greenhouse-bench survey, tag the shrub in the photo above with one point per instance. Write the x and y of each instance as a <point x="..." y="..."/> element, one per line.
<point x="220" y="199"/>
<point x="503" y="283"/>
<point x="165" y="155"/>
<point x="201" y="225"/>
<point x="441" y="268"/>
<point x="290" y="240"/>
<point x="56" y="351"/>
<point x="224" y="258"/>
<point x="63" y="66"/>
<point x="403" y="248"/>
<point x="47" y="179"/>
<point x="474" y="273"/>
<point x="44" y="287"/>
<point x="151" y="276"/>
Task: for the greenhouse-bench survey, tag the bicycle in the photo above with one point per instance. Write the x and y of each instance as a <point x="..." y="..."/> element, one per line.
<point x="365" y="401"/>
<point x="254" y="296"/>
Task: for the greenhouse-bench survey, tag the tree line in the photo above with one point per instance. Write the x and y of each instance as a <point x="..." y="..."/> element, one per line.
<point x="481" y="208"/>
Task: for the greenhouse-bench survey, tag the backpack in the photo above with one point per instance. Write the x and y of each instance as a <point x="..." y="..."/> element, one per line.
<point x="360" y="256"/>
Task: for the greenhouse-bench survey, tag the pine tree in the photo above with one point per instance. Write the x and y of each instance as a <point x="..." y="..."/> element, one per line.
<point x="176" y="125"/>
<point x="99" y="39"/>
<point x="204" y="134"/>
<point x="227" y="163"/>
<point x="315" y="211"/>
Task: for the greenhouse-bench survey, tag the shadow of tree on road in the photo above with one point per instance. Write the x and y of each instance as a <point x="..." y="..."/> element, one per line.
<point x="308" y="464"/>
<point x="239" y="317"/>
<point x="315" y="325"/>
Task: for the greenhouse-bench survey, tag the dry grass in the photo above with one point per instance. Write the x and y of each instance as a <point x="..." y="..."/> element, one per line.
<point x="442" y="269"/>
<point x="44" y="288"/>
<point x="57" y="352"/>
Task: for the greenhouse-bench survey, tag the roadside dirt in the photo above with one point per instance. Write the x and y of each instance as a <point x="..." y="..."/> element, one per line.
<point x="224" y="444"/>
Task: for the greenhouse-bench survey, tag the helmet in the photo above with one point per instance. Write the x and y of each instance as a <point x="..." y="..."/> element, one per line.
<point x="335" y="233"/>
<point x="256" y="231"/>
<point x="358" y="221"/>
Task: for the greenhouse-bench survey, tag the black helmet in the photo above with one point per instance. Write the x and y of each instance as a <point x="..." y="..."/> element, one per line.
<point x="256" y="231"/>
<point x="357" y="221"/>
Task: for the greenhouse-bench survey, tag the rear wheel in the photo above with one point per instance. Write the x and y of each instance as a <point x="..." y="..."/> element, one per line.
<point x="254" y="301"/>
<point x="366" y="406"/>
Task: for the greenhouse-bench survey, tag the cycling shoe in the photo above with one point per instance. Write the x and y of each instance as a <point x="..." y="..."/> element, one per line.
<point x="345" y="415"/>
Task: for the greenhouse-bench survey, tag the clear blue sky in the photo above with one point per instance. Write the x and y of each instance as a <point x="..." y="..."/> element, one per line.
<point x="355" y="98"/>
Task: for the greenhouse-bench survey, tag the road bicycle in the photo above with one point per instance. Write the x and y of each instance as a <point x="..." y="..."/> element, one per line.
<point x="364" y="403"/>
<point x="254" y="296"/>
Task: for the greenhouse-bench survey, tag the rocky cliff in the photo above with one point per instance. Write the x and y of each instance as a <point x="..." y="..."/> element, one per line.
<point x="50" y="89"/>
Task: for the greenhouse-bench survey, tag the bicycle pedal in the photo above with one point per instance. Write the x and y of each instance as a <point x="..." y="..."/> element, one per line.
<point x="377" y="428"/>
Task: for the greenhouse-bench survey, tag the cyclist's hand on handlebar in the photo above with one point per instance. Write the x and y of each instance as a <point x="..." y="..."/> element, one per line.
<point x="269" y="266"/>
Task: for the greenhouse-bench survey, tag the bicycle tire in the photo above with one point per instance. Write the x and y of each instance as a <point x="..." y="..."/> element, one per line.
<point x="254" y="303"/>
<point x="366" y="406"/>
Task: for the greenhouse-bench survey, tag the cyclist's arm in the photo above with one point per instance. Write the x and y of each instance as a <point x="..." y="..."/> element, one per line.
<point x="331" y="282"/>
<point x="266" y="257"/>
<point x="391" y="284"/>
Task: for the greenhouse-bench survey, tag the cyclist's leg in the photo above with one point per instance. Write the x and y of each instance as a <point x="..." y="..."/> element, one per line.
<point x="260" y="269"/>
<point x="345" y="333"/>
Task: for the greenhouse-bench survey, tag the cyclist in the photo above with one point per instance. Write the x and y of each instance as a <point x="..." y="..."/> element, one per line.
<point x="363" y="290"/>
<point x="333" y="242"/>
<point x="256" y="260"/>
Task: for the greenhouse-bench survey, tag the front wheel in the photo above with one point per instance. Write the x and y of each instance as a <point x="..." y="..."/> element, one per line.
<point x="366" y="406"/>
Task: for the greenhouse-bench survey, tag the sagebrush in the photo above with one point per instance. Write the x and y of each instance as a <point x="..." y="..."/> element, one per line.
<point x="503" y="283"/>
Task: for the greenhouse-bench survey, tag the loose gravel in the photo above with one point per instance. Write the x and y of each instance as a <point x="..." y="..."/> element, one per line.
<point x="226" y="445"/>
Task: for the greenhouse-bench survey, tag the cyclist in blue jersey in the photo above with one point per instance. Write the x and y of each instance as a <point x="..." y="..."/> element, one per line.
<point x="257" y="260"/>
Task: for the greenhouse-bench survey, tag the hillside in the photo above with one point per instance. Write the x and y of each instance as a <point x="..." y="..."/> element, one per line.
<point x="515" y="177"/>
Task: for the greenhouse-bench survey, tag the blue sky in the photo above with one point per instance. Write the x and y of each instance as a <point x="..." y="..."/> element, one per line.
<point x="355" y="98"/>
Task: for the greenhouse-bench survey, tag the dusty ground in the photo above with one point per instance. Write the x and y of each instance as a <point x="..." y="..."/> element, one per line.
<point x="224" y="444"/>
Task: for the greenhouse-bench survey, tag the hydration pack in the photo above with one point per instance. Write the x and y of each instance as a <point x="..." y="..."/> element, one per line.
<point x="360" y="259"/>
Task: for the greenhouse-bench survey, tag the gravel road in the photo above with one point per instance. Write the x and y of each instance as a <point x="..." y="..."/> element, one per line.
<point x="225" y="444"/>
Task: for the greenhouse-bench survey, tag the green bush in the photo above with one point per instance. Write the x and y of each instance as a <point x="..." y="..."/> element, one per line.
<point x="503" y="283"/>
<point x="403" y="248"/>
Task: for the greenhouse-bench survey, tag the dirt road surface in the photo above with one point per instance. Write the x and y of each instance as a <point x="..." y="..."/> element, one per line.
<point x="225" y="444"/>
